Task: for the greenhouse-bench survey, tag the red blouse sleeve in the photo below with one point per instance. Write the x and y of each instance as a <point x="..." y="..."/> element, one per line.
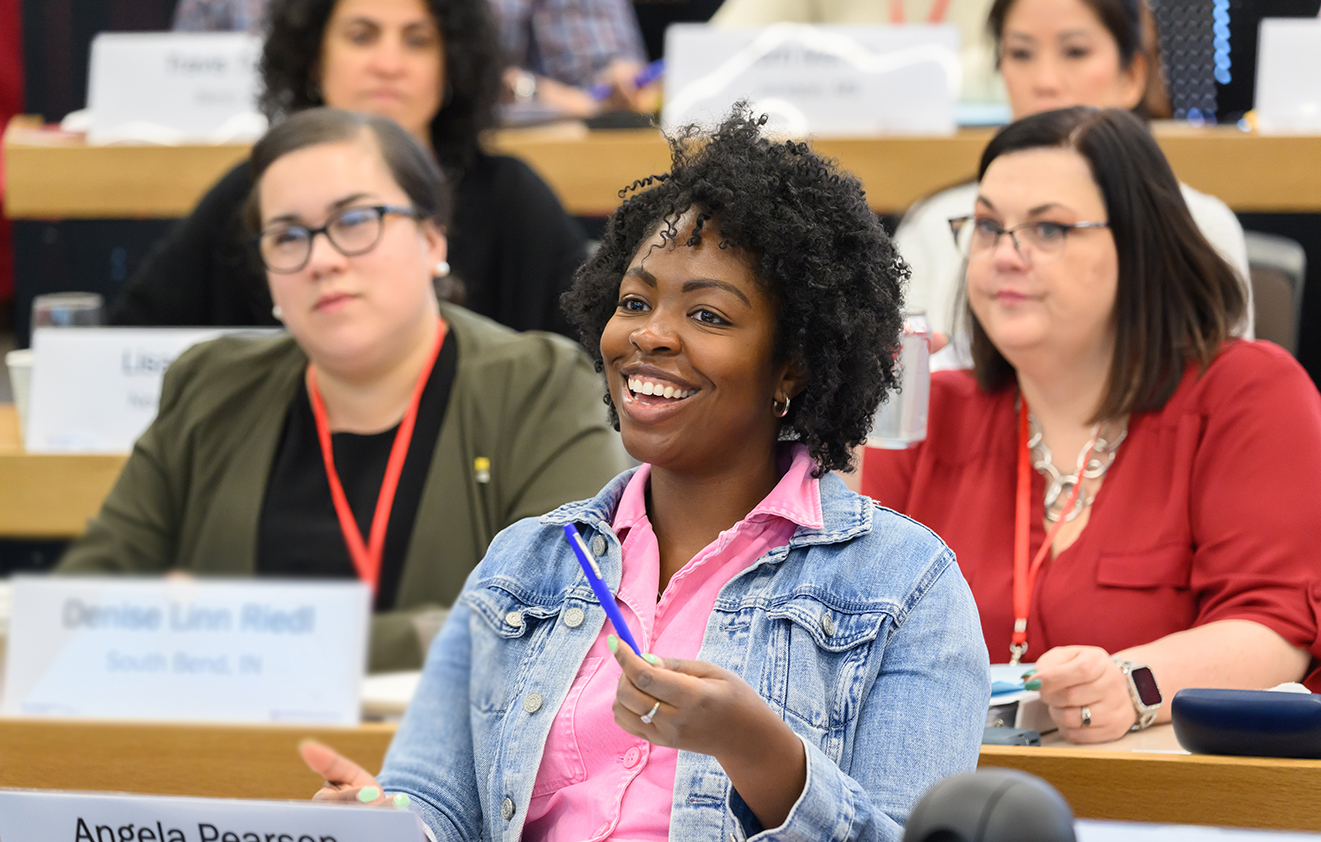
<point x="1255" y="507"/>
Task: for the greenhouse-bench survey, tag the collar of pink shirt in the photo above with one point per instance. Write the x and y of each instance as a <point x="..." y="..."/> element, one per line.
<point x="596" y="781"/>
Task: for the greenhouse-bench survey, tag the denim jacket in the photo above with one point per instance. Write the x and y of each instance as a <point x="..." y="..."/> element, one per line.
<point x="862" y="635"/>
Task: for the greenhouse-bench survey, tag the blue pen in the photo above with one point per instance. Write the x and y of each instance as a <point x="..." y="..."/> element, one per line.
<point x="599" y="587"/>
<point x="645" y="77"/>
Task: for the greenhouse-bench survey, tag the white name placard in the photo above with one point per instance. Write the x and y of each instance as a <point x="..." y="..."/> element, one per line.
<point x="816" y="79"/>
<point x="199" y="650"/>
<point x="1288" y="95"/>
<point x="96" y="389"/>
<point x="172" y="87"/>
<point x="37" y="816"/>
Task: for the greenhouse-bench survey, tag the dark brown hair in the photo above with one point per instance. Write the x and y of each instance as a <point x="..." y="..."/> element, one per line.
<point x="473" y="61"/>
<point x="411" y="166"/>
<point x="1133" y="27"/>
<point x="1177" y="298"/>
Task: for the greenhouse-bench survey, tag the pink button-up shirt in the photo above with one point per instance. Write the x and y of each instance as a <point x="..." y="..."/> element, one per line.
<point x="596" y="781"/>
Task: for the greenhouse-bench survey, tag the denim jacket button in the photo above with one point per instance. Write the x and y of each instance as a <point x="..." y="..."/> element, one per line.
<point x="598" y="546"/>
<point x="514" y="619"/>
<point x="532" y="703"/>
<point x="573" y="618"/>
<point x="827" y="625"/>
<point x="507" y="809"/>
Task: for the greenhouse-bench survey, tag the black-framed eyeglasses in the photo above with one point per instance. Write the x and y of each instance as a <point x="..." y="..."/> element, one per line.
<point x="286" y="247"/>
<point x="1039" y="242"/>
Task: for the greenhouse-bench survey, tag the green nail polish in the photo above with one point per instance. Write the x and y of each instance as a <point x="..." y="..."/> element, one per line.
<point x="651" y="659"/>
<point x="1029" y="674"/>
<point x="1034" y="684"/>
<point x="612" y="642"/>
<point x="400" y="801"/>
<point x="368" y="794"/>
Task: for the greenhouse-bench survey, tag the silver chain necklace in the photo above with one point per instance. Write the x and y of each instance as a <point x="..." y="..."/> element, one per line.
<point x="1060" y="486"/>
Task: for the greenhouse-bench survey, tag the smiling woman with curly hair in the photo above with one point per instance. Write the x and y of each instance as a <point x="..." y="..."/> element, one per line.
<point x="818" y="659"/>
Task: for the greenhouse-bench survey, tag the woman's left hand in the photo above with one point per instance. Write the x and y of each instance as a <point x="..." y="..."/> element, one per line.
<point x="1077" y="677"/>
<point x="696" y="706"/>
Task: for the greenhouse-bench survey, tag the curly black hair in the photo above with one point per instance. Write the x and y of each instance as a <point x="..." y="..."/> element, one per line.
<point x="812" y="242"/>
<point x="473" y="61"/>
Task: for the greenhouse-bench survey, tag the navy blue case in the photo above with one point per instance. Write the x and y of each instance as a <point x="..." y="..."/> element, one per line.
<point x="1253" y="723"/>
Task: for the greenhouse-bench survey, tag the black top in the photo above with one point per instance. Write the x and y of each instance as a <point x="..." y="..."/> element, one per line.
<point x="511" y="244"/>
<point x="299" y="533"/>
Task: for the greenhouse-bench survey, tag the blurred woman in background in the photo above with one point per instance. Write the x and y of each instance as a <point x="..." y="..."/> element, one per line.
<point x="434" y="67"/>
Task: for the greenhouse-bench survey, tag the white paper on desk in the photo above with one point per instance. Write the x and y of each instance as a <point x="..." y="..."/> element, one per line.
<point x="96" y="389"/>
<point x="172" y="87"/>
<point x="38" y="816"/>
<point x="816" y="79"/>
<point x="187" y="650"/>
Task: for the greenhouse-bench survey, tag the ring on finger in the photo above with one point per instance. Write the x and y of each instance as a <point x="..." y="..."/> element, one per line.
<point x="1086" y="713"/>
<point x="651" y="714"/>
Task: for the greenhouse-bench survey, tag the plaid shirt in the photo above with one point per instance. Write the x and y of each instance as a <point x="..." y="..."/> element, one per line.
<point x="570" y="41"/>
<point x="219" y="15"/>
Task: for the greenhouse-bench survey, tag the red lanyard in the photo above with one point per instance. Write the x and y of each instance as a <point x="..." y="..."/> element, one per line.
<point x="936" y="16"/>
<point x="1025" y="576"/>
<point x="367" y="557"/>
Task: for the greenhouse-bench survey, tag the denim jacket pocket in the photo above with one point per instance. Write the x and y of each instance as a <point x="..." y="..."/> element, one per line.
<point x="504" y="635"/>
<point x="821" y="662"/>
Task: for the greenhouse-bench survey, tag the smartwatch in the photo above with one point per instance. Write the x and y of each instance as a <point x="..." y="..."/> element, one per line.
<point x="1143" y="690"/>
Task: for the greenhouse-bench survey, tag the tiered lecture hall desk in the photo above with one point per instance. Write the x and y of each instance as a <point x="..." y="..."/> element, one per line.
<point x="1139" y="778"/>
<point x="52" y="175"/>
<point x="55" y="176"/>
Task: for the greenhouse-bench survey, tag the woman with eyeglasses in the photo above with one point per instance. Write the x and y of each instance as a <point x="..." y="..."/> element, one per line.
<point x="433" y="66"/>
<point x="1127" y="487"/>
<point x="387" y="437"/>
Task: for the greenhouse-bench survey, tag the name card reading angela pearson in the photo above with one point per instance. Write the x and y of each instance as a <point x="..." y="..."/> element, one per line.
<point x="36" y="816"/>
<point x="96" y="389"/>
<point x="187" y="650"/>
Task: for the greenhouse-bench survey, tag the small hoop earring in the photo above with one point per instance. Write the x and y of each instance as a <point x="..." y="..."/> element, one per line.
<point x="277" y="313"/>
<point x="442" y="270"/>
<point x="780" y="409"/>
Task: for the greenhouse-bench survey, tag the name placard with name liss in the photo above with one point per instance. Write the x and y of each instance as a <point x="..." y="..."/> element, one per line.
<point x="96" y="389"/>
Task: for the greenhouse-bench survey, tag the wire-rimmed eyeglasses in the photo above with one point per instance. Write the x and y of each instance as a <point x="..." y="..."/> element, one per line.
<point x="286" y="247"/>
<point x="1039" y="242"/>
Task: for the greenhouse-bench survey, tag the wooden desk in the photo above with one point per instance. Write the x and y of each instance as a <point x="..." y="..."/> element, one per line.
<point x="262" y="762"/>
<point x="230" y="761"/>
<point x="49" y="495"/>
<point x="55" y="176"/>
<point x="1134" y="780"/>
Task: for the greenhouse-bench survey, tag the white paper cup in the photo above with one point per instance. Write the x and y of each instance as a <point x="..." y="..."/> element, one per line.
<point x="20" y="381"/>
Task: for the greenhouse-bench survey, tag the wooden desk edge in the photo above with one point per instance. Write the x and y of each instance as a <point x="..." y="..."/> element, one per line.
<point x="1174" y="788"/>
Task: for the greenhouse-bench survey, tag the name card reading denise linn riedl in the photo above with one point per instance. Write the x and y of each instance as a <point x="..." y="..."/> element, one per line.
<point x="816" y="79"/>
<point x="37" y="816"/>
<point x="173" y="87"/>
<point x="199" y="650"/>
<point x="96" y="389"/>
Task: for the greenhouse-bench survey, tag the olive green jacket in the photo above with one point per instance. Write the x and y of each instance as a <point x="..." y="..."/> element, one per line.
<point x="191" y="494"/>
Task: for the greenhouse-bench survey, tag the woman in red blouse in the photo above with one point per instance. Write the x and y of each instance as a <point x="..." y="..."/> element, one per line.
<point x="1116" y="475"/>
